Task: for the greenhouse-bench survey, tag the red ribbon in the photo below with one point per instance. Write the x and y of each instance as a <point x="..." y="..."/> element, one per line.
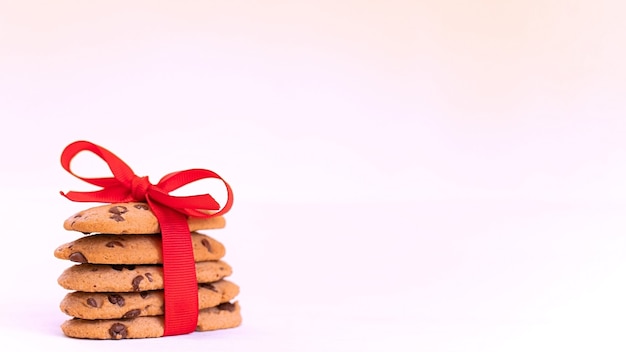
<point x="179" y="271"/>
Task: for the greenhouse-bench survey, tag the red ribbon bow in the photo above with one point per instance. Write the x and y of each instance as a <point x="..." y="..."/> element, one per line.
<point x="179" y="271"/>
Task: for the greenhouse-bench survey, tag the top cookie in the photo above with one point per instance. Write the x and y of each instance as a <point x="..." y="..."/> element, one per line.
<point x="129" y="218"/>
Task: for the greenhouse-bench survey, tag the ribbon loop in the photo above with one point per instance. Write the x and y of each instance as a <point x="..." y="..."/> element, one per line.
<point x="180" y="284"/>
<point x="125" y="186"/>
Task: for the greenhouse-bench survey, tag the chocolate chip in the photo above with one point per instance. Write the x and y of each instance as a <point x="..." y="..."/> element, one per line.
<point x="226" y="306"/>
<point x="134" y="313"/>
<point x="118" y="209"/>
<point x="144" y="294"/>
<point x="75" y="217"/>
<point x="116" y="212"/>
<point x="120" y="267"/>
<point x="92" y="302"/>
<point x="118" y="331"/>
<point x="141" y="206"/>
<point x="136" y="281"/>
<point x="149" y="276"/>
<point x="114" y="243"/>
<point x="209" y="286"/>
<point x="78" y="257"/>
<point x="117" y="217"/>
<point x="207" y="244"/>
<point x="116" y="299"/>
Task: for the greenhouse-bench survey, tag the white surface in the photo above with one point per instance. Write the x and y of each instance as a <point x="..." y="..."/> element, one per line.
<point x="437" y="176"/>
<point x="441" y="276"/>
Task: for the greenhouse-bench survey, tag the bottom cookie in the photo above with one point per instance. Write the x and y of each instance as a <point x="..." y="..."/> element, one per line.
<point x="224" y="316"/>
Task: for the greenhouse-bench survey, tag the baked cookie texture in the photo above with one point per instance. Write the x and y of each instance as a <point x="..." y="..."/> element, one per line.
<point x="222" y="316"/>
<point x="132" y="217"/>
<point x="116" y="277"/>
<point x="133" y="249"/>
<point x="131" y="278"/>
<point x="123" y="305"/>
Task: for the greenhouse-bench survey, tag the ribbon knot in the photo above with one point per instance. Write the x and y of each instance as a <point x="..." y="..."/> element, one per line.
<point x="179" y="272"/>
<point x="139" y="187"/>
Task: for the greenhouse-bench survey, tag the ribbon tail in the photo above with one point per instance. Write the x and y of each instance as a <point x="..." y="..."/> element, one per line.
<point x="179" y="272"/>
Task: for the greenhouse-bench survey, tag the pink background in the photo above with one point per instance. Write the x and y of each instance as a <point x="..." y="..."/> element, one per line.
<point x="429" y="175"/>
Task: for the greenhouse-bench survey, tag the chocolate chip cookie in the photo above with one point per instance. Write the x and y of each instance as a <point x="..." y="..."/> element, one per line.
<point x="224" y="316"/>
<point x="129" y="218"/>
<point x="132" y="278"/>
<point x="133" y="249"/>
<point x="123" y="305"/>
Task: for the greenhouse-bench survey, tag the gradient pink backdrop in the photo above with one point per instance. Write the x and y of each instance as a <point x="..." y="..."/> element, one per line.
<point x="442" y="175"/>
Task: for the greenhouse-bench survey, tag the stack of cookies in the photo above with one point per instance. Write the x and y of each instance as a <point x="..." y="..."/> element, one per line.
<point x="117" y="283"/>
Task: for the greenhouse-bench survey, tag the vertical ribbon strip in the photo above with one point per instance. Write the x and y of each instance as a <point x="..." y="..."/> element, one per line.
<point x="179" y="271"/>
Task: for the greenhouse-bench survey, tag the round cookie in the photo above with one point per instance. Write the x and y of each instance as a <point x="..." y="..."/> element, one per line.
<point x="129" y="218"/>
<point x="133" y="249"/>
<point x="132" y="278"/>
<point x="113" y="305"/>
<point x="224" y="316"/>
